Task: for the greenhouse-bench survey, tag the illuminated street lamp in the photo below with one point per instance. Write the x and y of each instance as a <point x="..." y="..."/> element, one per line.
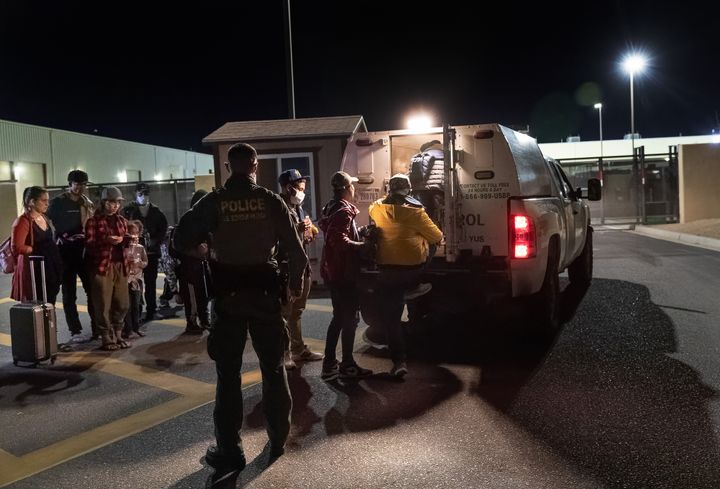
<point x="633" y="63"/>
<point x="419" y="122"/>
<point x="598" y="106"/>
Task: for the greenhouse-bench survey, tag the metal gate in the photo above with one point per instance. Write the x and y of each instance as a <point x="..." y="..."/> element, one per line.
<point x="636" y="189"/>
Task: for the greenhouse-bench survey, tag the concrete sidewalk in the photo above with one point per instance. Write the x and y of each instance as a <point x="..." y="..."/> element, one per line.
<point x="699" y="233"/>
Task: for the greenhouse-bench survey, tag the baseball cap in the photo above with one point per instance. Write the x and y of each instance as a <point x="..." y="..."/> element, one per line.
<point x="142" y="187"/>
<point x="77" y="176"/>
<point x="111" y="193"/>
<point x="342" y="180"/>
<point x="291" y="176"/>
<point x="399" y="181"/>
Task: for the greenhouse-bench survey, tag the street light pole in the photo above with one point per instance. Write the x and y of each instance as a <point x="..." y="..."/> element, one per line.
<point x="632" y="110"/>
<point x="633" y="63"/>
<point x="598" y="106"/>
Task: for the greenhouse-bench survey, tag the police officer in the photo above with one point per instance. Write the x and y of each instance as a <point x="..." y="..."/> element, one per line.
<point x="242" y="224"/>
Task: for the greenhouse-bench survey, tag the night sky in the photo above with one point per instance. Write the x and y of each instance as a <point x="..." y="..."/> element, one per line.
<point x="170" y="77"/>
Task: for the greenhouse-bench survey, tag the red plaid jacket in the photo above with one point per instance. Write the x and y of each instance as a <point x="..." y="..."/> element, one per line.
<point x="98" y="251"/>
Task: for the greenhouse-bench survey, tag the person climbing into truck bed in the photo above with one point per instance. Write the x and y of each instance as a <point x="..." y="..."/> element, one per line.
<point x="406" y="234"/>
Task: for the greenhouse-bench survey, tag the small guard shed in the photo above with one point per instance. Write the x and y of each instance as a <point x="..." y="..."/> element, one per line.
<point x="314" y="146"/>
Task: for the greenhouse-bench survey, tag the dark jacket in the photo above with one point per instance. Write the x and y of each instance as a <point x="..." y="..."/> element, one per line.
<point x="155" y="225"/>
<point x="69" y="217"/>
<point x="340" y="263"/>
<point x="242" y="224"/>
<point x="427" y="170"/>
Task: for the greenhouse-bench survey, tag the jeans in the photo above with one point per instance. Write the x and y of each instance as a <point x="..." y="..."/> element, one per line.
<point x="132" y="318"/>
<point x="346" y="306"/>
<point x="392" y="285"/>
<point x="74" y="267"/>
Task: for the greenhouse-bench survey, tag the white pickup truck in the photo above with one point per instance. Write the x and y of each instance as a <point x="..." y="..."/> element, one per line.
<point x="511" y="219"/>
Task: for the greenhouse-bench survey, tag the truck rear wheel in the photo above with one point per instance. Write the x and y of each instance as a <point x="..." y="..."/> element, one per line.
<point x="545" y="304"/>
<point x="580" y="271"/>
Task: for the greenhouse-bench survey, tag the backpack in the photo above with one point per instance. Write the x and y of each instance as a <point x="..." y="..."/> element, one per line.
<point x="7" y="259"/>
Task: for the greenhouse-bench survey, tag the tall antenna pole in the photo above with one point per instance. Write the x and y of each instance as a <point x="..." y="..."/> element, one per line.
<point x="289" y="60"/>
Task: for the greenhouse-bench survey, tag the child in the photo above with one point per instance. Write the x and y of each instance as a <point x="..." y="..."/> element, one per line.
<point x="168" y="265"/>
<point x="136" y="258"/>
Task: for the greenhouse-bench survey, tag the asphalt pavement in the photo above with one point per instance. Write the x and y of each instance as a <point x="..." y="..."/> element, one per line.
<point x="625" y="395"/>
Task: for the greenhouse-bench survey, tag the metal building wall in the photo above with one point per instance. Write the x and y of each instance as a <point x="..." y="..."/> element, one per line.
<point x="103" y="158"/>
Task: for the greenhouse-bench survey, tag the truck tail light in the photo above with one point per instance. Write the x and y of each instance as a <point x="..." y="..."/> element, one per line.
<point x="522" y="236"/>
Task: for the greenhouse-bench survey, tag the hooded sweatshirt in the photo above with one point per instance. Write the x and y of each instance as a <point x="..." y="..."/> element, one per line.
<point x="405" y="232"/>
<point x="340" y="261"/>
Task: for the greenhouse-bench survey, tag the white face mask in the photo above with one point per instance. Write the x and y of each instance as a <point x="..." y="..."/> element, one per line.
<point x="143" y="199"/>
<point x="297" y="198"/>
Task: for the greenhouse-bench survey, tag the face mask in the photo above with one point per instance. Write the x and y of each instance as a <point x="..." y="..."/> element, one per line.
<point x="297" y="198"/>
<point x="143" y="199"/>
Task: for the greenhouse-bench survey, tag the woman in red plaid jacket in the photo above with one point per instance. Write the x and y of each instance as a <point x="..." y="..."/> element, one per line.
<point x="105" y="236"/>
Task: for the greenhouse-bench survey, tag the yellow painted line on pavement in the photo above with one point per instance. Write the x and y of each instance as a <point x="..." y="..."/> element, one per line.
<point x="5" y="339"/>
<point x="145" y="375"/>
<point x="5" y="300"/>
<point x="319" y="307"/>
<point x="193" y="394"/>
<point x="7" y="459"/>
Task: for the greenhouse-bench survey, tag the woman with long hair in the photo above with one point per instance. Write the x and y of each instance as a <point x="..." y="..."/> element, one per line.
<point x="32" y="235"/>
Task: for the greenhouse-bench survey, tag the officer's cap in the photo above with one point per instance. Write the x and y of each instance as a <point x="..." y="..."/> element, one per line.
<point x="142" y="187"/>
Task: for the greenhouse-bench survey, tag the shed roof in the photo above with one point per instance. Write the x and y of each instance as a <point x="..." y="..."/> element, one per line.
<point x="287" y="129"/>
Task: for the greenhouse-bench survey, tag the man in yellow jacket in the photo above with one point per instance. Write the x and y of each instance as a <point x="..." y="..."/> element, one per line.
<point x="406" y="234"/>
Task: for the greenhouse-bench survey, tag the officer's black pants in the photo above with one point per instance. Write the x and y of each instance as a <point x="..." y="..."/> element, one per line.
<point x="235" y="315"/>
<point x="74" y="267"/>
<point x="150" y="273"/>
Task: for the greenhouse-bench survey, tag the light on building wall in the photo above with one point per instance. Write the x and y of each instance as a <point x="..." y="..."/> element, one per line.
<point x="122" y="176"/>
<point x="716" y="138"/>
<point x="19" y="169"/>
<point x="158" y="176"/>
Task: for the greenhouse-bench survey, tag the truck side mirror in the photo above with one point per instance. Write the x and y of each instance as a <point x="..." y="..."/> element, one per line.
<point x="594" y="189"/>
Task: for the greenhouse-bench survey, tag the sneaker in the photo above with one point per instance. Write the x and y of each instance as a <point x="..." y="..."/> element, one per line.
<point x="217" y="459"/>
<point x="330" y="372"/>
<point x="418" y="291"/>
<point x="307" y="356"/>
<point x="399" y="370"/>
<point x="374" y="337"/>
<point x="77" y="337"/>
<point x="164" y="304"/>
<point x="353" y="371"/>
<point x="288" y="362"/>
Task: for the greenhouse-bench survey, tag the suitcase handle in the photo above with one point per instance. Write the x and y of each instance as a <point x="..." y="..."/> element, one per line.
<point x="41" y="259"/>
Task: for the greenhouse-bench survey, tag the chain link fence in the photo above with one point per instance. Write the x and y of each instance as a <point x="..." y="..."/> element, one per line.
<point x="171" y="196"/>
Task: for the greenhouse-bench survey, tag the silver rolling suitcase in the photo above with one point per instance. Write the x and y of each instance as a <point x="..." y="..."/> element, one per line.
<point x="33" y="328"/>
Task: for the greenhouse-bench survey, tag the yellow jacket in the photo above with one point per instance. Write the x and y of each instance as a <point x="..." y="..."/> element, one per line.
<point x="405" y="232"/>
